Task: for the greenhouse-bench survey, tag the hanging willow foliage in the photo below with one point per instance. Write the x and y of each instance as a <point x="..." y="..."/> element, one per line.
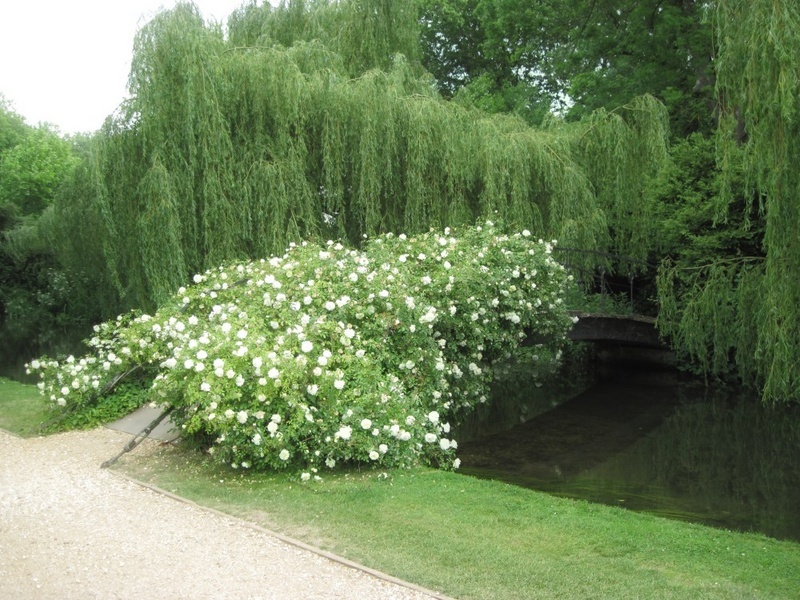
<point x="233" y="148"/>
<point x="711" y="314"/>
<point x="622" y="152"/>
<point x="365" y="34"/>
<point x="752" y="310"/>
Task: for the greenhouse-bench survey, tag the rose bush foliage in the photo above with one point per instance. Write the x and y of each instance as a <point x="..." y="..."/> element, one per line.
<point x="329" y="355"/>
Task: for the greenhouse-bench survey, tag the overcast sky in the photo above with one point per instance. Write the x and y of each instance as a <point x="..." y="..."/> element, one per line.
<point x="66" y="62"/>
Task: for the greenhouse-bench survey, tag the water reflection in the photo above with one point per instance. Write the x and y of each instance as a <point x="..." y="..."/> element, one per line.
<point x="670" y="448"/>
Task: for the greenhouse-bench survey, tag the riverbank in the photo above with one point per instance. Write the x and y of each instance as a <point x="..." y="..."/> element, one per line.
<point x="481" y="539"/>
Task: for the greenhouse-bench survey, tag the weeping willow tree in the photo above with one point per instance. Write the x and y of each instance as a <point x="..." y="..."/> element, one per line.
<point x="314" y="120"/>
<point x="746" y="307"/>
<point x="365" y="34"/>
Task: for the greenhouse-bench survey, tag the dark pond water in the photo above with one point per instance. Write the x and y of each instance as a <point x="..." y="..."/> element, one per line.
<point x="20" y="347"/>
<point x="648" y="442"/>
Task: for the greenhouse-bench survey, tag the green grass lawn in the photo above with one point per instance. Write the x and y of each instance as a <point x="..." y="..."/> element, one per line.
<point x="471" y="538"/>
<point x="22" y="408"/>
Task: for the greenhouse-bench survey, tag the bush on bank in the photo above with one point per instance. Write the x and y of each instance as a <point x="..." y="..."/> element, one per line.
<point x="329" y="355"/>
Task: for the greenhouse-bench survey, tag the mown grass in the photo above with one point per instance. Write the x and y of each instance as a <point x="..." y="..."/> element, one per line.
<point x="22" y="408"/>
<point x="470" y="538"/>
<point x="25" y="412"/>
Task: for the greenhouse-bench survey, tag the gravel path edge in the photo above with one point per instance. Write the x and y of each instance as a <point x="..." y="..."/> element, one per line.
<point x="71" y="530"/>
<point x="286" y="539"/>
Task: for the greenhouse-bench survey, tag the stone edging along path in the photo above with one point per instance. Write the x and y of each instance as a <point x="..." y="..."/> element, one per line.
<point x="70" y="530"/>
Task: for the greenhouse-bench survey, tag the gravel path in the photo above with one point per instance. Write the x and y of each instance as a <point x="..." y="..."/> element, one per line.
<point x="71" y="530"/>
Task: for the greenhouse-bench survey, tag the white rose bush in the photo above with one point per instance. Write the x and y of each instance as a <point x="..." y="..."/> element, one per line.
<point x="329" y="356"/>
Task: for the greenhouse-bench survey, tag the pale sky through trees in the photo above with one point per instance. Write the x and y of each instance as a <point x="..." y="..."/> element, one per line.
<point x="67" y="62"/>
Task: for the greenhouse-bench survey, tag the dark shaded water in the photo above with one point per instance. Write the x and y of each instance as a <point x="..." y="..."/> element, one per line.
<point x="663" y="447"/>
<point x="19" y="347"/>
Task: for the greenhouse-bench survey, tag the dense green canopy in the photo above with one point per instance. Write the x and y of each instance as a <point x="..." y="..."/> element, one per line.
<point x="748" y="307"/>
<point x="233" y="147"/>
<point x="528" y="56"/>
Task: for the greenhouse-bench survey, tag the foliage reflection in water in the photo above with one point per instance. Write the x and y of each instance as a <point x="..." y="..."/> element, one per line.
<point x="19" y="346"/>
<point x="673" y="449"/>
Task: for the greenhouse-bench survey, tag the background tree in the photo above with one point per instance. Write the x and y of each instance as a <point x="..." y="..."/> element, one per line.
<point x="36" y="293"/>
<point x="232" y="148"/>
<point x="749" y="306"/>
<point x="12" y="131"/>
<point x="32" y="169"/>
<point x="12" y="126"/>
<point x="574" y="56"/>
<point x="474" y="59"/>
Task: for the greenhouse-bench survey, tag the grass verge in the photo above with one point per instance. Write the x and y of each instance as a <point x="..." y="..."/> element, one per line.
<point x="25" y="412"/>
<point x="472" y="539"/>
<point x="469" y="538"/>
<point x="22" y="408"/>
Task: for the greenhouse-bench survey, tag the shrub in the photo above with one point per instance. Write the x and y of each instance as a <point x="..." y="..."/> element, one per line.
<point x="329" y="355"/>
